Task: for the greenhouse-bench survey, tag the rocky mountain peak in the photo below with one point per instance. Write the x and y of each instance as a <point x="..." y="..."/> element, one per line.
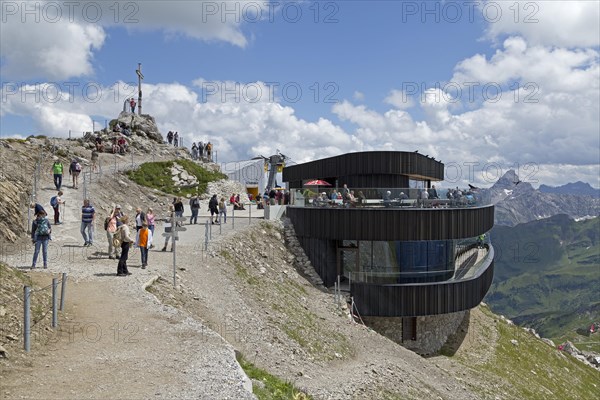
<point x="518" y="202"/>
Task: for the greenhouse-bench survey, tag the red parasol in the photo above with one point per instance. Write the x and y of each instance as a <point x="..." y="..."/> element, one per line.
<point x="317" y="182"/>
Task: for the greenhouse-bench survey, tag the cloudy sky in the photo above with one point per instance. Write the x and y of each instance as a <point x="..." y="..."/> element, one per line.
<point x="483" y="86"/>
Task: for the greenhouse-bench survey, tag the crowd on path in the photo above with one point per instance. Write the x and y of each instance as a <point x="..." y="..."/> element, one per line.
<point x="119" y="235"/>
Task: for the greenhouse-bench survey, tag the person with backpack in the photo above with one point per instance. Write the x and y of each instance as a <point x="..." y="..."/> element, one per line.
<point x="222" y="210"/>
<point x="74" y="171"/>
<point x="57" y="171"/>
<point x="40" y="235"/>
<point x="143" y="240"/>
<point x="56" y="202"/>
<point x="87" y="223"/>
<point x="195" y="207"/>
<point x="209" y="151"/>
<point x="170" y="137"/>
<point x="126" y="241"/>
<point x="213" y="207"/>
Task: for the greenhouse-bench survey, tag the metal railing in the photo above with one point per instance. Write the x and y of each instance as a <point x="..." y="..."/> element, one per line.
<point x="57" y="305"/>
<point x="470" y="265"/>
<point x="387" y="198"/>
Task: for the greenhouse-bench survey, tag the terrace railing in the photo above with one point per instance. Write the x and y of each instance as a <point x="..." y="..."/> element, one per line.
<point x="387" y="198"/>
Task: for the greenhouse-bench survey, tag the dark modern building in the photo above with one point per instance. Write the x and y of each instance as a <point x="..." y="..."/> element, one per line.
<point x="414" y="257"/>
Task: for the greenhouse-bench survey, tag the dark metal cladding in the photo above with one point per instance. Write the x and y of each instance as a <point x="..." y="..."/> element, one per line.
<point x="421" y="299"/>
<point x="367" y="169"/>
<point x="391" y="224"/>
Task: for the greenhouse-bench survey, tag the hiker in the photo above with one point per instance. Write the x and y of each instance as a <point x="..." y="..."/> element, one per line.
<point x="94" y="160"/>
<point x="143" y="240"/>
<point x="170" y="137"/>
<point x="201" y="150"/>
<point x="178" y="207"/>
<point x="125" y="244"/>
<point x="213" y="207"/>
<point x="209" y="151"/>
<point x="40" y="235"/>
<point x="223" y="210"/>
<point x="74" y="171"/>
<point x="99" y="145"/>
<point x="132" y="104"/>
<point x="110" y="226"/>
<point x="194" y="151"/>
<point x="37" y="208"/>
<point x="140" y="218"/>
<point x="150" y="217"/>
<point x="57" y="171"/>
<point x="176" y="139"/>
<point x="195" y="207"/>
<point x="87" y="223"/>
<point x="480" y="241"/>
<point x="56" y="202"/>
<point x="168" y="229"/>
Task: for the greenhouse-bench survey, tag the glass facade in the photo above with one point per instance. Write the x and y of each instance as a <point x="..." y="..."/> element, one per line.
<point x="399" y="261"/>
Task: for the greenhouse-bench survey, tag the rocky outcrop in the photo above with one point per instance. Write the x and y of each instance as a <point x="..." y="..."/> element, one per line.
<point x="297" y="255"/>
<point x="141" y="125"/>
<point x="181" y="178"/>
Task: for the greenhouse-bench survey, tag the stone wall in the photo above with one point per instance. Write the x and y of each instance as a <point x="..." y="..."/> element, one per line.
<point x="432" y="331"/>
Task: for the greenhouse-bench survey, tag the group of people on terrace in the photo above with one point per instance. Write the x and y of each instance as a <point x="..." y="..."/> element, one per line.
<point x="393" y="197"/>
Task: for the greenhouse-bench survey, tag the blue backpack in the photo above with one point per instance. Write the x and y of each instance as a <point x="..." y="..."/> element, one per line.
<point x="43" y="228"/>
<point x="54" y="202"/>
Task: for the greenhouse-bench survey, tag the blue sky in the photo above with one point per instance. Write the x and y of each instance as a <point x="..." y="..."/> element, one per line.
<point x="351" y="62"/>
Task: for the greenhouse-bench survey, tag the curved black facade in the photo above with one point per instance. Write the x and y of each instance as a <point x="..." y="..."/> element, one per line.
<point x="367" y="169"/>
<point x="425" y="245"/>
<point x="422" y="299"/>
<point x="391" y="224"/>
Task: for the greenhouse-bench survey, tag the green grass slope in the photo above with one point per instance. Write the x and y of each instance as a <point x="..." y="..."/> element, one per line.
<point x="510" y="363"/>
<point x="547" y="275"/>
<point x="157" y="175"/>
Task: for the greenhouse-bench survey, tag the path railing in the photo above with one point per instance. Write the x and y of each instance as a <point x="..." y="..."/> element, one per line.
<point x="56" y="306"/>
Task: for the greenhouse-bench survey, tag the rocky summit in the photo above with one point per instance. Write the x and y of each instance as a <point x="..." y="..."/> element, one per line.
<point x="519" y="202"/>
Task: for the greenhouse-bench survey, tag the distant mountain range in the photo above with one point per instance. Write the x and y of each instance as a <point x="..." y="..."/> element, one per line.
<point x="518" y="202"/>
<point x="578" y="188"/>
<point x="547" y="274"/>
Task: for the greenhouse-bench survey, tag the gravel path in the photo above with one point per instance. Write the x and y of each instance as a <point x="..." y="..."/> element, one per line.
<point x="119" y="340"/>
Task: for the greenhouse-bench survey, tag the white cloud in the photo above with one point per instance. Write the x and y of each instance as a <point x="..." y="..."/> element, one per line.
<point x="399" y="99"/>
<point x="57" y="40"/>
<point x="549" y="23"/>
<point x="239" y="130"/>
<point x="52" y="51"/>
